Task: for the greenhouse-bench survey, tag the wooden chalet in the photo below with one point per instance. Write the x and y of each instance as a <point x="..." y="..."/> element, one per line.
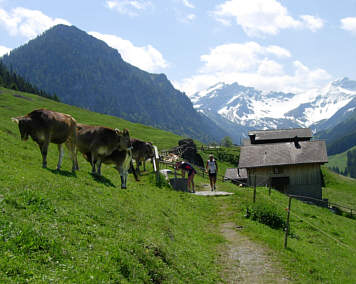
<point x="287" y="160"/>
<point x="236" y="175"/>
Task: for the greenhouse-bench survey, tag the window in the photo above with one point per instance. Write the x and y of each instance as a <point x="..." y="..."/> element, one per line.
<point x="277" y="170"/>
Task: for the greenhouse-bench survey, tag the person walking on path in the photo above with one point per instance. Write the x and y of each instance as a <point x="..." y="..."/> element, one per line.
<point x="212" y="170"/>
<point x="186" y="167"/>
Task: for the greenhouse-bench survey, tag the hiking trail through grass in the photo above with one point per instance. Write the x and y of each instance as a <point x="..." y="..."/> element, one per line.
<point x="243" y="260"/>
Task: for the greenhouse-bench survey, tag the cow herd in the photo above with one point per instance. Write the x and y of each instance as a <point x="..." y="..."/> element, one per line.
<point x="98" y="144"/>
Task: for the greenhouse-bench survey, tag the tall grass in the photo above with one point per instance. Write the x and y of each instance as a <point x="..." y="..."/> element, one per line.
<point x="321" y="245"/>
<point x="60" y="227"/>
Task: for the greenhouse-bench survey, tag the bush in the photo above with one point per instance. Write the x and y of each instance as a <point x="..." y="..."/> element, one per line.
<point x="161" y="182"/>
<point x="266" y="214"/>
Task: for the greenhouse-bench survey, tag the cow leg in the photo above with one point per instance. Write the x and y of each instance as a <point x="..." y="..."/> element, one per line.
<point x="93" y="163"/>
<point x="133" y="171"/>
<point x="123" y="176"/>
<point x="44" y="148"/>
<point x="122" y="181"/>
<point x="99" y="162"/>
<point x="126" y="175"/>
<point x="144" y="165"/>
<point x="138" y="167"/>
<point x="73" y="154"/>
<point x="60" y="156"/>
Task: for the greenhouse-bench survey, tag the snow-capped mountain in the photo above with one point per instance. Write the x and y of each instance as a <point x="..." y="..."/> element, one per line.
<point x="249" y="108"/>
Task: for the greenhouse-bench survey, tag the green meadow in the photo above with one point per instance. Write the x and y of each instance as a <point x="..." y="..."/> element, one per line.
<point x="339" y="160"/>
<point x="60" y="227"/>
<point x="321" y="245"/>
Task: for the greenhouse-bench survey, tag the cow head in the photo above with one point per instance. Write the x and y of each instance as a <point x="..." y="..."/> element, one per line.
<point x="150" y="151"/>
<point x="124" y="139"/>
<point x="23" y="123"/>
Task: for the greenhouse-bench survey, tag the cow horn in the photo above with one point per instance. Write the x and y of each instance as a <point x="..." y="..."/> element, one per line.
<point x="117" y="130"/>
<point x="126" y="132"/>
<point x="15" y="119"/>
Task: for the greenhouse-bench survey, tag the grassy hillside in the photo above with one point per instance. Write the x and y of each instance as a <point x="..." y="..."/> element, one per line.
<point x="339" y="160"/>
<point x="65" y="228"/>
<point x="340" y="189"/>
<point x="321" y="246"/>
<point x="14" y="103"/>
<point x="340" y="137"/>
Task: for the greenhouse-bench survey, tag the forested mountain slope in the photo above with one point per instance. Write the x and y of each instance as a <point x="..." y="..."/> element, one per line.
<point x="86" y="72"/>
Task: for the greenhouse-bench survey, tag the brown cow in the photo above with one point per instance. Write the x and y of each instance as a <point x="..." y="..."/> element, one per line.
<point x="98" y="142"/>
<point x="141" y="151"/>
<point x="46" y="126"/>
<point x="122" y="161"/>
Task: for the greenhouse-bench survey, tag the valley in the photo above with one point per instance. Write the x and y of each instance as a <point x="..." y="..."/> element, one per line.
<point x="78" y="227"/>
<point x="57" y="226"/>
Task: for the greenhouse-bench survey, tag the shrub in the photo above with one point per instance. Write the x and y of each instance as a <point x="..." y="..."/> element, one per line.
<point x="266" y="214"/>
<point x="161" y="182"/>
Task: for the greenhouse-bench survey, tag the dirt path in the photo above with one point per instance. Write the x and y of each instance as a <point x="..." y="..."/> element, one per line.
<point x="248" y="262"/>
<point x="244" y="260"/>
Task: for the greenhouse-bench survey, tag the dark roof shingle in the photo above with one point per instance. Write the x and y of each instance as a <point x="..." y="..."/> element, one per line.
<point x="275" y="154"/>
<point x="281" y="134"/>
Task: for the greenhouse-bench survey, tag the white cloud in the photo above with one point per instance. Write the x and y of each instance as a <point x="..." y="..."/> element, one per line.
<point x="4" y="50"/>
<point x="349" y="24"/>
<point x="186" y="18"/>
<point x="147" y="57"/>
<point x="190" y="17"/>
<point x="252" y="64"/>
<point x="239" y="57"/>
<point x="261" y="17"/>
<point x="187" y="4"/>
<point x="269" y="67"/>
<point x="26" y="22"/>
<point x="278" y="51"/>
<point x="312" y="23"/>
<point x="128" y="7"/>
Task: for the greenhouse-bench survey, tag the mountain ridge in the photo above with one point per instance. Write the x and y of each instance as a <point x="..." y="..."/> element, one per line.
<point x="84" y="71"/>
<point x="249" y="108"/>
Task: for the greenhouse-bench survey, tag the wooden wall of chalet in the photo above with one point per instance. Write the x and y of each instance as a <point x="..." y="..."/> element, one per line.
<point x="304" y="180"/>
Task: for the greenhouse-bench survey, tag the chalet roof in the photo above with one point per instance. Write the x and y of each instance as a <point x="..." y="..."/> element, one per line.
<point x="281" y="134"/>
<point x="277" y="154"/>
<point x="235" y="174"/>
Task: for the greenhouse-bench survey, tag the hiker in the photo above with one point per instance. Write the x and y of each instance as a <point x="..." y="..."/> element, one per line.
<point x="186" y="167"/>
<point x="212" y="169"/>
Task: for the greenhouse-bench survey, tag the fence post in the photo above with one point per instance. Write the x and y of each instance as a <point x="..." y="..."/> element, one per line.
<point x="269" y="189"/>
<point x="157" y="173"/>
<point x="287" y="226"/>
<point x="156" y="164"/>
<point x="254" y="191"/>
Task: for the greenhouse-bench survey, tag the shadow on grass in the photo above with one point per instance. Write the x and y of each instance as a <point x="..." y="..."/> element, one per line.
<point x="105" y="181"/>
<point x="62" y="172"/>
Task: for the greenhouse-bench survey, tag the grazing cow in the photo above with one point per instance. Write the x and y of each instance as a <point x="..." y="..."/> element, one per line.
<point x="46" y="126"/>
<point x="122" y="161"/>
<point x="141" y="151"/>
<point x="98" y="142"/>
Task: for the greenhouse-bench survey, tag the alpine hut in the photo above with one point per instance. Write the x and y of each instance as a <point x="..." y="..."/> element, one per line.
<point x="286" y="159"/>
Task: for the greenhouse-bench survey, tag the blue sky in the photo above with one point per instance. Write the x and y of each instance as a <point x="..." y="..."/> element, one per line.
<point x="284" y="45"/>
